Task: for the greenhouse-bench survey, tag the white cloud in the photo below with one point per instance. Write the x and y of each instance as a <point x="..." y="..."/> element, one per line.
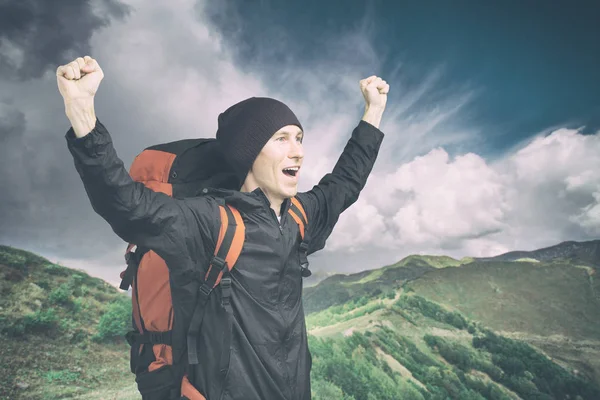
<point x="358" y="228"/>
<point x="541" y="194"/>
<point x="589" y="216"/>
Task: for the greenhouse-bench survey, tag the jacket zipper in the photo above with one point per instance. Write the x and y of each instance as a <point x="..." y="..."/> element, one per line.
<point x="286" y="330"/>
<point x="277" y="221"/>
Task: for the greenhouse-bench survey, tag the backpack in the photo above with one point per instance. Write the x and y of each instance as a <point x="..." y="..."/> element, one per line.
<point x="182" y="169"/>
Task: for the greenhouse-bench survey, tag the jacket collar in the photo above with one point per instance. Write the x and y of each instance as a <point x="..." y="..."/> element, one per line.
<point x="245" y="201"/>
<point x="258" y="192"/>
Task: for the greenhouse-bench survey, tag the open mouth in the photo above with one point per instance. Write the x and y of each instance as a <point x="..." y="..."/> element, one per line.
<point x="291" y="172"/>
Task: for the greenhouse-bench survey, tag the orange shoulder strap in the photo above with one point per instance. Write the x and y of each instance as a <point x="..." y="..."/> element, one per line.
<point x="230" y="241"/>
<point x="297" y="212"/>
<point x="229" y="246"/>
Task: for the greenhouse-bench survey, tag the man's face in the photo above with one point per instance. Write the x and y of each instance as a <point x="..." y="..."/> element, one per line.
<point x="277" y="167"/>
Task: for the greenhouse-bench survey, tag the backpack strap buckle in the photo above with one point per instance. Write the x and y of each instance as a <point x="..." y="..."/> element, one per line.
<point x="204" y="289"/>
<point x="133" y="260"/>
<point x="218" y="262"/>
<point x="226" y="291"/>
<point x="304" y="259"/>
<point x="304" y="247"/>
<point x="130" y="337"/>
<point x="160" y="337"/>
<point x="128" y="257"/>
<point x="152" y="337"/>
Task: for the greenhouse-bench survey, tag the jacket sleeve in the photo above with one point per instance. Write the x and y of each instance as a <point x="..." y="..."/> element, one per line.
<point x="340" y="189"/>
<point x="173" y="228"/>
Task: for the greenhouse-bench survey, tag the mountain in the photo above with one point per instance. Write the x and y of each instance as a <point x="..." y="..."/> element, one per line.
<point x="533" y="297"/>
<point x="426" y="328"/>
<point x="585" y="253"/>
<point x="315" y="278"/>
<point x="552" y="305"/>
<point x="410" y="347"/>
<point x="340" y="288"/>
<point x="474" y="328"/>
<point x="60" y="332"/>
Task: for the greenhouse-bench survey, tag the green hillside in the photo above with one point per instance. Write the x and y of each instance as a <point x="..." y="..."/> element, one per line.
<point x="527" y="328"/>
<point x="427" y="327"/>
<point x="315" y="278"/>
<point x="60" y="332"/>
<point x="554" y="306"/>
<point x="413" y="348"/>
<point x="434" y="261"/>
<point x="537" y="298"/>
<point x="338" y="289"/>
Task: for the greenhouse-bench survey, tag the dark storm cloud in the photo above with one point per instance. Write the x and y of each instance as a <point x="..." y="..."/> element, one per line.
<point x="12" y="122"/>
<point x="12" y="128"/>
<point x="36" y="173"/>
<point x="38" y="200"/>
<point x="38" y="35"/>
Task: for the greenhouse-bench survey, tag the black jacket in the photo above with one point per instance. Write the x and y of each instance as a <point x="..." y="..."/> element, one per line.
<point x="269" y="355"/>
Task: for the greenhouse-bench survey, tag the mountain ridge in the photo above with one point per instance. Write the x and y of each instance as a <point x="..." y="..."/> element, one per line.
<point x="584" y="251"/>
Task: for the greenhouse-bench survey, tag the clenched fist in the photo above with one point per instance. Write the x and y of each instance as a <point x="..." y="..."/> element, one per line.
<point x="78" y="83"/>
<point x="375" y="91"/>
<point x="79" y="79"/>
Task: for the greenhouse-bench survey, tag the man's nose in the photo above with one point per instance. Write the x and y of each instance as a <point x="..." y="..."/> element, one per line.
<point x="296" y="150"/>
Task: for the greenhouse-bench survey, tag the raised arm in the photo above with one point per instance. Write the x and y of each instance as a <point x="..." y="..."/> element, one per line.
<point x="340" y="189"/>
<point x="137" y="214"/>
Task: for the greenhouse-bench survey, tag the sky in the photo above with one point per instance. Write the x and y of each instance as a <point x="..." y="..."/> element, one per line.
<point x="492" y="126"/>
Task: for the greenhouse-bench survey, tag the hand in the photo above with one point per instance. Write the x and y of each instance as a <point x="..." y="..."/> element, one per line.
<point x="375" y="91"/>
<point x="78" y="83"/>
<point x="78" y="80"/>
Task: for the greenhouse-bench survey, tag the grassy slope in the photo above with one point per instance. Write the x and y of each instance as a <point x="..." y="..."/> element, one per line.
<point x="550" y="305"/>
<point x="49" y="316"/>
<point x="553" y="306"/>
<point x="338" y="289"/>
<point x="517" y="296"/>
<point x="412" y="323"/>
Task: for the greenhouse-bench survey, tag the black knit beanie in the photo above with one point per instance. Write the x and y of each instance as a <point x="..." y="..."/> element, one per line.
<point x="247" y="126"/>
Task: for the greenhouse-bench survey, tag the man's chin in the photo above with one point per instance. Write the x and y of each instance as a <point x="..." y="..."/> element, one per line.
<point x="291" y="192"/>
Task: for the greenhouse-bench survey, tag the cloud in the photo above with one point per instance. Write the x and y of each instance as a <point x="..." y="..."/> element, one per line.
<point x="433" y="201"/>
<point x="555" y="179"/>
<point x="541" y="194"/>
<point x="37" y="35"/>
<point x="12" y="129"/>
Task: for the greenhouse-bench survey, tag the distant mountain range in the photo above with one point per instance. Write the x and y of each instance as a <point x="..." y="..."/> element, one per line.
<point x="414" y="266"/>
<point x="586" y="253"/>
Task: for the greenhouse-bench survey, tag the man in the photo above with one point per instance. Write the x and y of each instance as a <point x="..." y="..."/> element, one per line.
<point x="268" y="356"/>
